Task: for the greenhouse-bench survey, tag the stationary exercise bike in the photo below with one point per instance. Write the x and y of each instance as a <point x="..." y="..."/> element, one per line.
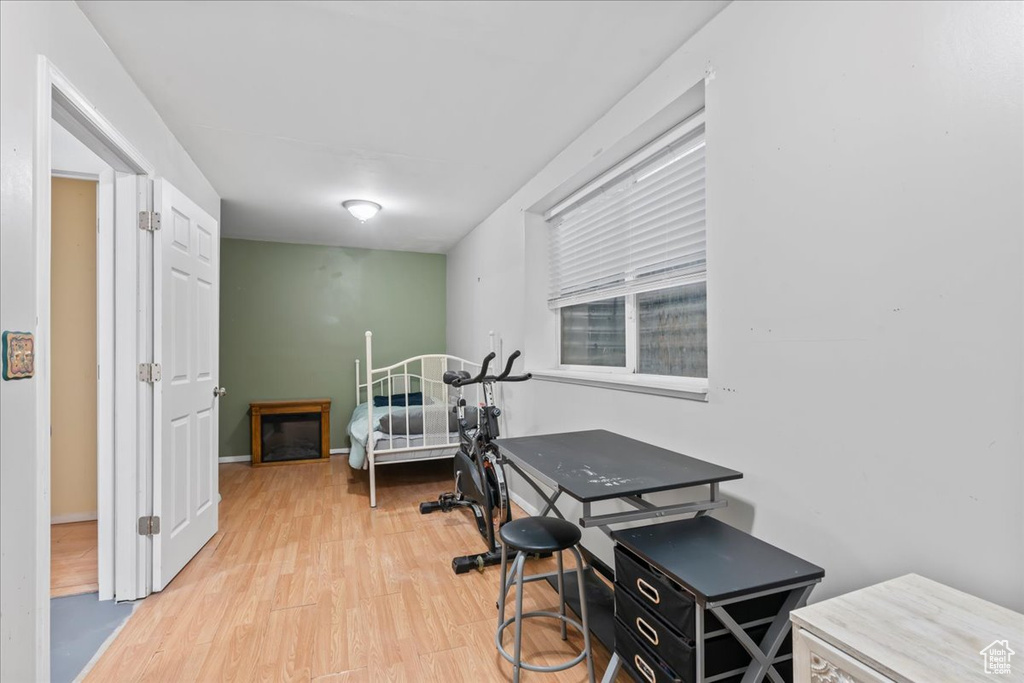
<point x="479" y="469"/>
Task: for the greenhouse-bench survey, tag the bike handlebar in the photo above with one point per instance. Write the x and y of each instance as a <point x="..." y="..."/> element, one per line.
<point x="508" y="366"/>
<point x="519" y="378"/>
<point x="503" y="377"/>
<point x="483" y="372"/>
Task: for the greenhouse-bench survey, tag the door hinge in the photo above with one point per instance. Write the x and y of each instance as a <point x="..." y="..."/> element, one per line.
<point x="149" y="372"/>
<point x="149" y="220"/>
<point x="149" y="526"/>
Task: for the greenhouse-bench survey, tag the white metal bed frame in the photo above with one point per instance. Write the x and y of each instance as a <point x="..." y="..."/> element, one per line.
<point x="418" y="373"/>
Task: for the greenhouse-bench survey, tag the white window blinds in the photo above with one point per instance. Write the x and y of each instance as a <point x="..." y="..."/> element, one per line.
<point x="640" y="231"/>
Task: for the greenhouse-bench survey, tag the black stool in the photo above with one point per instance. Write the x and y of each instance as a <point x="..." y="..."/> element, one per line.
<point x="540" y="535"/>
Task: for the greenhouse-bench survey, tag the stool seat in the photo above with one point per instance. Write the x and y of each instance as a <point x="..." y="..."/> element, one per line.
<point x="540" y="534"/>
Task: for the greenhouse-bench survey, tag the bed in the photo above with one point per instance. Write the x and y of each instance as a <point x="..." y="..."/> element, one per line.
<point x="404" y="412"/>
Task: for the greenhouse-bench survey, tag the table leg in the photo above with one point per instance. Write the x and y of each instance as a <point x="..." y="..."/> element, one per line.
<point x="614" y="664"/>
<point x="551" y="506"/>
<point x="713" y="499"/>
<point x="548" y="500"/>
<point x="698" y="642"/>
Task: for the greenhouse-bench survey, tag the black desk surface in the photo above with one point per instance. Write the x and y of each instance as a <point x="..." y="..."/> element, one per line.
<point x="600" y="465"/>
<point x="715" y="561"/>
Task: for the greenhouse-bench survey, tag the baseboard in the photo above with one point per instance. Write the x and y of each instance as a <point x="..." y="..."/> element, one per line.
<point x="528" y="508"/>
<point x="247" y="458"/>
<point x="74" y="517"/>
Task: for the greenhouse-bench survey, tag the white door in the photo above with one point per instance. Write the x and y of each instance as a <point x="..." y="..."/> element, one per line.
<point x="187" y="290"/>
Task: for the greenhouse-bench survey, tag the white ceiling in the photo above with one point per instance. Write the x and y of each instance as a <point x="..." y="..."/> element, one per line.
<point x="439" y="111"/>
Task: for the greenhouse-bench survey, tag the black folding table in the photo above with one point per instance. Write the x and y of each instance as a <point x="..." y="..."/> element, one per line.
<point x="598" y="465"/>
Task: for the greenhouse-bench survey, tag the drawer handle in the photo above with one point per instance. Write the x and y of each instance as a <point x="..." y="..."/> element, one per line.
<point x="644" y="668"/>
<point x="648" y="591"/>
<point x="647" y="631"/>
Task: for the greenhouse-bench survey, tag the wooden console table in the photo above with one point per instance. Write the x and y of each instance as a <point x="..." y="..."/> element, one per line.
<point x="907" y="630"/>
<point x="319" y="407"/>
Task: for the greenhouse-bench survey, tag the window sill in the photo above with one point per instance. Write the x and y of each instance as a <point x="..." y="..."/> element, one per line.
<point x="675" y="387"/>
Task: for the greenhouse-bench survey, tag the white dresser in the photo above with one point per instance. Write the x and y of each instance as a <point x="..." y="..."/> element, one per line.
<point x="910" y="630"/>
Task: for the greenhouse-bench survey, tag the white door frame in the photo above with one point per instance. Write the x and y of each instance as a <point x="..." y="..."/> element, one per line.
<point x="57" y="98"/>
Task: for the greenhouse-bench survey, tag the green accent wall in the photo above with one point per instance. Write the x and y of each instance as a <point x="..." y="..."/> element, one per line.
<point x="293" y="319"/>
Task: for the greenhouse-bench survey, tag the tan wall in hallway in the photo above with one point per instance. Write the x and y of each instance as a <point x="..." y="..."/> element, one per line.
<point x="73" y="362"/>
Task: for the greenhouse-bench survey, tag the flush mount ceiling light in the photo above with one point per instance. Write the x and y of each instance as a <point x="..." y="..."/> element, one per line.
<point x="362" y="209"/>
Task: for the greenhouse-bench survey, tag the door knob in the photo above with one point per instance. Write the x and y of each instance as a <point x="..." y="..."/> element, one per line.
<point x="219" y="391"/>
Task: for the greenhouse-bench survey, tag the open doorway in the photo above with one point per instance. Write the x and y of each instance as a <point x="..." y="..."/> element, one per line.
<point x="74" y="554"/>
<point x="75" y="223"/>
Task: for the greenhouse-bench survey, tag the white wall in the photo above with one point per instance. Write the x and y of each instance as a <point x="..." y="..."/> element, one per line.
<point x="866" y="300"/>
<point x="61" y="32"/>
<point x="73" y="404"/>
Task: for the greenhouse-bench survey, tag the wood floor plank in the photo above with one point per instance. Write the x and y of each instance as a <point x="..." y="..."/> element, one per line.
<point x="232" y="654"/>
<point x="303" y="582"/>
<point x="74" y="589"/>
<point x="74" y="565"/>
<point x="287" y="649"/>
<point x="354" y="676"/>
<point x="164" y="666"/>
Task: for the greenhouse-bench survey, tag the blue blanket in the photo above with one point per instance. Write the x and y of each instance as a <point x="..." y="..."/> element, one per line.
<point x="359" y="430"/>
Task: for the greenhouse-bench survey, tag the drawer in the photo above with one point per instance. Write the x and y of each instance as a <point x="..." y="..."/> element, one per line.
<point x="674" y="649"/>
<point x="675" y="605"/>
<point x="653" y="590"/>
<point x="816" y="660"/>
<point x="638" y="661"/>
<point x="723" y="655"/>
<point x="674" y="653"/>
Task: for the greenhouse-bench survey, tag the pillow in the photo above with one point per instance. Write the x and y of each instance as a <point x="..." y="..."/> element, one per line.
<point x="395" y="424"/>
<point x="415" y="399"/>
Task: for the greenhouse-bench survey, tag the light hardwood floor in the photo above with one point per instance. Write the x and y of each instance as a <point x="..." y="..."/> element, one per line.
<point x="304" y="582"/>
<point x="73" y="561"/>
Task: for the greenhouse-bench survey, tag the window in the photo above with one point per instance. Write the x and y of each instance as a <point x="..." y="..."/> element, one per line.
<point x="595" y="333"/>
<point x="628" y="264"/>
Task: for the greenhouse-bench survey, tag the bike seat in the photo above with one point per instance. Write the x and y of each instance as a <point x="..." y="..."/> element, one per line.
<point x="452" y="375"/>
